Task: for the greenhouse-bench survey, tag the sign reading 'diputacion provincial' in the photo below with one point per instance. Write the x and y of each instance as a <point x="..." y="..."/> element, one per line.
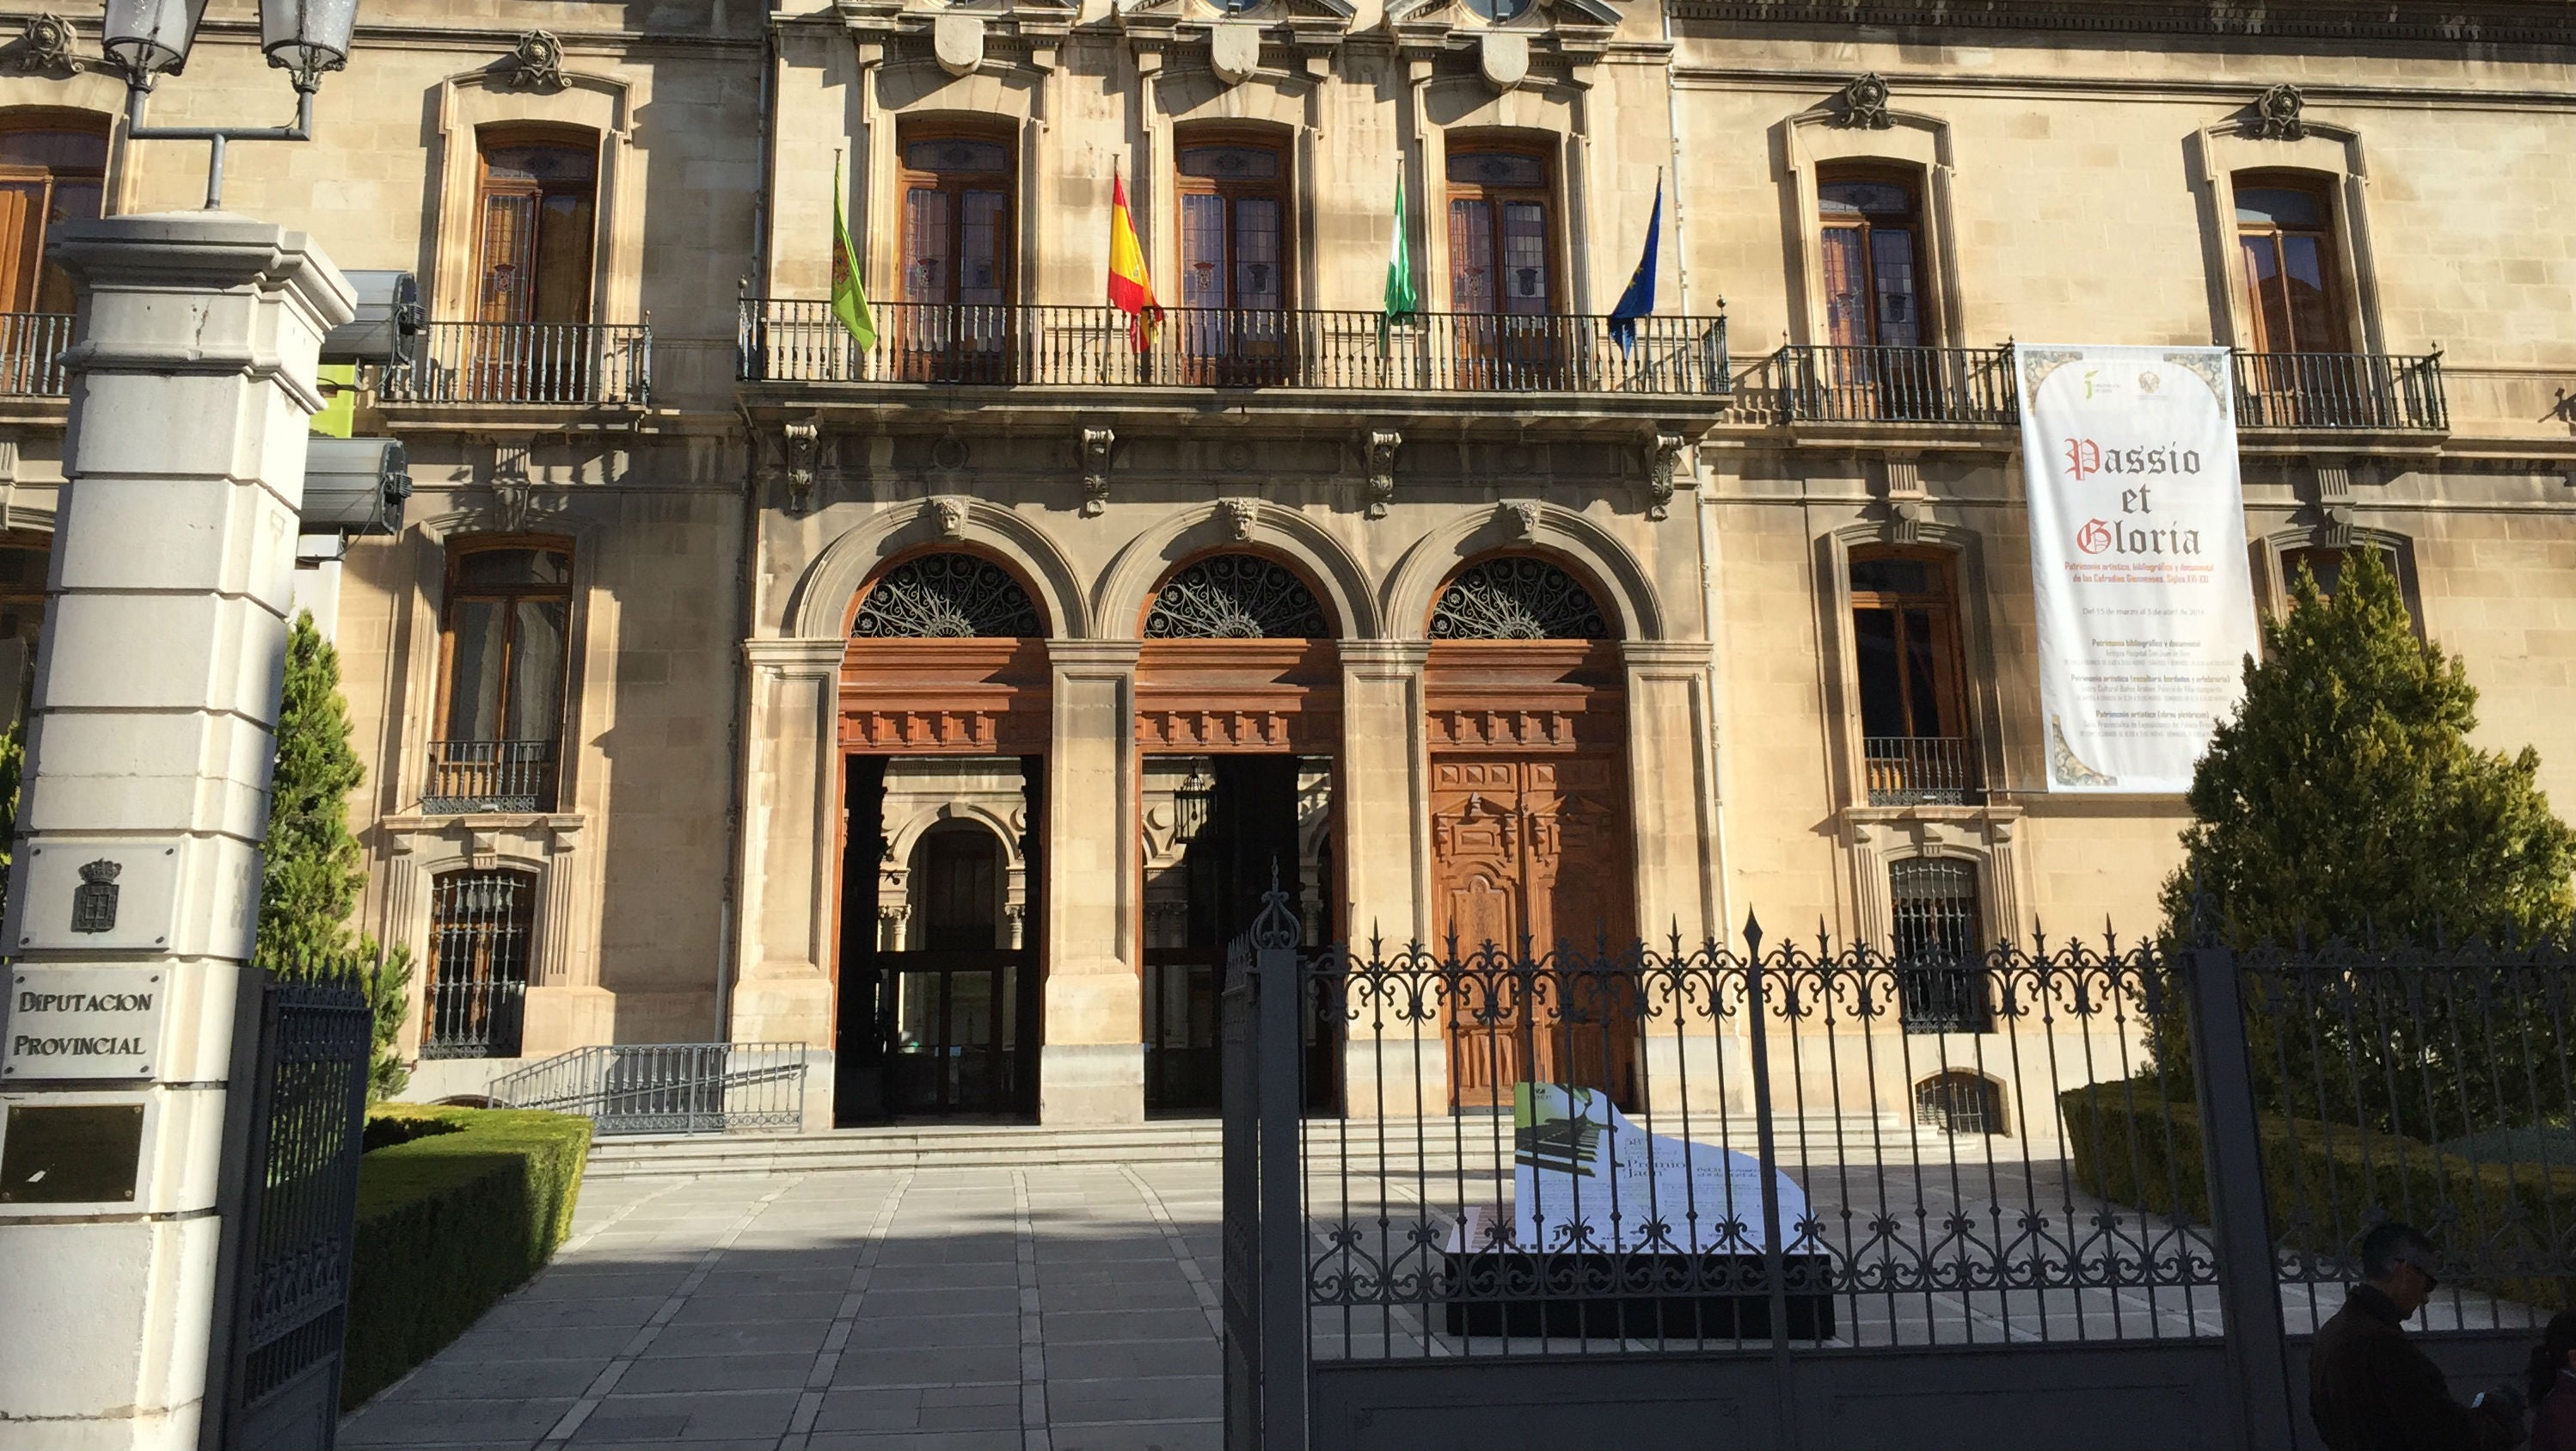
<point x="82" y="1022"/>
<point x="2137" y="556"/>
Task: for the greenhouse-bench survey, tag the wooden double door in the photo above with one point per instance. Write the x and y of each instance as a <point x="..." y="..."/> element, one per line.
<point x="1531" y="880"/>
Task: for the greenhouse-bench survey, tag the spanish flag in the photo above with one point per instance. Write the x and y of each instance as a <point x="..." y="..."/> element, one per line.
<point x="1130" y="290"/>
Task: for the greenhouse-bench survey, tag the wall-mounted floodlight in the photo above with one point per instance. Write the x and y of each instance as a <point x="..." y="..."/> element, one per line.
<point x="148" y="39"/>
<point x="355" y="485"/>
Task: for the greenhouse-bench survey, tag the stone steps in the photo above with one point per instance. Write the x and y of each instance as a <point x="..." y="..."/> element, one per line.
<point x="1403" y="1146"/>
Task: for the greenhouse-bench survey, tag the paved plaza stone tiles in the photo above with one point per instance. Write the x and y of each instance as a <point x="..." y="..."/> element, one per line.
<point x="968" y="1309"/>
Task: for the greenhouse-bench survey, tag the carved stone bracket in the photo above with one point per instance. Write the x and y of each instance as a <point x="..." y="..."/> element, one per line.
<point x="2277" y="114"/>
<point x="535" y="62"/>
<point x="1097" y="443"/>
<point x="2334" y="526"/>
<point x="45" y="45"/>
<point x="948" y="512"/>
<point x="1382" y="444"/>
<point x="1863" y="103"/>
<point x="1663" y="457"/>
<point x="1238" y="516"/>
<point x="801" y="441"/>
<point x="1901" y="485"/>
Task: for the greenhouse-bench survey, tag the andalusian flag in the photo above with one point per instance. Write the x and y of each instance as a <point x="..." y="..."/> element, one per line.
<point x="1403" y="304"/>
<point x="849" y="294"/>
<point x="1130" y="290"/>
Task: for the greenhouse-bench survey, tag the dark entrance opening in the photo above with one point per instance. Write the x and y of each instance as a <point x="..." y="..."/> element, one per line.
<point x="939" y="995"/>
<point x="1237" y="825"/>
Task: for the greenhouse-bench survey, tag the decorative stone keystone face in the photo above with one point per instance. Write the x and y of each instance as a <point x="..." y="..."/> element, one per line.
<point x="1238" y="516"/>
<point x="949" y="514"/>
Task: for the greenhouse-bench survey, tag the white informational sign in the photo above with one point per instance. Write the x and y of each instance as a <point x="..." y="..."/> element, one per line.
<point x="1586" y="1179"/>
<point x="2137" y="557"/>
<point x="82" y="1022"/>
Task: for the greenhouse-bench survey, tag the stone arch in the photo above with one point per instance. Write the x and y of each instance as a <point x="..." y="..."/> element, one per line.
<point x="902" y="839"/>
<point x="1238" y="525"/>
<point x="1618" y="582"/>
<point x="820" y="607"/>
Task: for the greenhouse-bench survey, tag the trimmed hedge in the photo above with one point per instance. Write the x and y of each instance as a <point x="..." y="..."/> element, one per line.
<point x="459" y="1207"/>
<point x="2129" y="1147"/>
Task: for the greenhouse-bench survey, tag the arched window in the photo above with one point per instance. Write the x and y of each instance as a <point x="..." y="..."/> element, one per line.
<point x="946" y="597"/>
<point x="1516" y="597"/>
<point x="53" y="169"/>
<point x="957" y="888"/>
<point x="2285" y="232"/>
<point x="1939" y="946"/>
<point x="22" y="624"/>
<point x="508" y="626"/>
<point x="1907" y="662"/>
<point x="1872" y="220"/>
<point x="482" y="930"/>
<point x="539" y="204"/>
<point x="1236" y="597"/>
<point x="1502" y="230"/>
<point x="1960" y="1102"/>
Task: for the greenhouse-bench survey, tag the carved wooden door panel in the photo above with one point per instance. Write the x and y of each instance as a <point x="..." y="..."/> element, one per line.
<point x="1527" y="851"/>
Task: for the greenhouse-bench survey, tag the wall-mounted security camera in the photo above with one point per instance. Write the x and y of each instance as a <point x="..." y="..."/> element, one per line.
<point x="388" y="326"/>
<point x="355" y="485"/>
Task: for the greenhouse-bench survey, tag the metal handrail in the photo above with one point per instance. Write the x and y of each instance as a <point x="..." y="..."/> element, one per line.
<point x="528" y="362"/>
<point x="493" y="776"/>
<point x="1015" y="345"/>
<point x="31" y="354"/>
<point x="2392" y="392"/>
<point x="1972" y="386"/>
<point x="1919" y="770"/>
<point x="667" y="1088"/>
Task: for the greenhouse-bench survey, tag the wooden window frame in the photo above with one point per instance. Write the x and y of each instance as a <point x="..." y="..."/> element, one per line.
<point x="1949" y="655"/>
<point x="1281" y="189"/>
<point x="28" y="274"/>
<point x="490" y="138"/>
<point x="1929" y="323"/>
<point x="456" y="593"/>
<point x="2326" y="234"/>
<point x="1550" y="194"/>
<point x="909" y="134"/>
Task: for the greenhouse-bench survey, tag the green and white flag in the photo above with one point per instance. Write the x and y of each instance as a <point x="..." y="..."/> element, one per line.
<point x="849" y="294"/>
<point x="1402" y="302"/>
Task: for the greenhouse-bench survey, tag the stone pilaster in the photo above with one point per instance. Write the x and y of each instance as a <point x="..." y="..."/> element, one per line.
<point x="782" y="991"/>
<point x="1092" y="1068"/>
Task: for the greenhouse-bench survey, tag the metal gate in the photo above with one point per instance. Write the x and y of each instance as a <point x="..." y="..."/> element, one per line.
<point x="2126" y="1244"/>
<point x="285" y="1262"/>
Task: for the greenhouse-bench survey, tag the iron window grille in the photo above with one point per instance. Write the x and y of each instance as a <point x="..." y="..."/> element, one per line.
<point x="1960" y="1102"/>
<point x="1938" y="935"/>
<point x="481" y="927"/>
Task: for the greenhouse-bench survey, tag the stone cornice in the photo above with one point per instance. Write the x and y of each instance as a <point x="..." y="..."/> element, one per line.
<point x="2450" y="23"/>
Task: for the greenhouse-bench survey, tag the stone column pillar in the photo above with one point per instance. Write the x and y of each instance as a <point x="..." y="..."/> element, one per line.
<point x="783" y="989"/>
<point x="136" y="885"/>
<point x="1672" y="789"/>
<point x="1091" y="1069"/>
<point x="1383" y="838"/>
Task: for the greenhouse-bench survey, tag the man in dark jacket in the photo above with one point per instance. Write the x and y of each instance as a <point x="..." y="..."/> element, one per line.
<point x="2372" y="1390"/>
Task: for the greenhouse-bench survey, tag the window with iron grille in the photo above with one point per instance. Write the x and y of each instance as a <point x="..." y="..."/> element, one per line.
<point x="1960" y="1102"/>
<point x="482" y="929"/>
<point x="1939" y="945"/>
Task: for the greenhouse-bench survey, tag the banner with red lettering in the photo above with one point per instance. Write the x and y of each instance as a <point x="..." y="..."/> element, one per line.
<point x="2137" y="556"/>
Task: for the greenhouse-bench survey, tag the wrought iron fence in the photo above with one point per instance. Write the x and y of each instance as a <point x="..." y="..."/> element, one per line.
<point x="1919" y="771"/>
<point x="482" y="928"/>
<point x="667" y="1088"/>
<point x="285" y="1272"/>
<point x="785" y="340"/>
<point x="31" y="353"/>
<point x="1971" y="386"/>
<point x="528" y="362"/>
<point x="2379" y="391"/>
<point x="489" y="776"/>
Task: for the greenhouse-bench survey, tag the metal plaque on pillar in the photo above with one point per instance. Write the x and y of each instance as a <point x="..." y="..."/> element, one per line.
<point x="112" y="894"/>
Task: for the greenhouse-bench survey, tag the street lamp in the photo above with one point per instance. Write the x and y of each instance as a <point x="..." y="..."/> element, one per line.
<point x="148" y="39"/>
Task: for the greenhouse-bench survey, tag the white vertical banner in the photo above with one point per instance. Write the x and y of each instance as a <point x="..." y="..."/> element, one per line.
<point x="2137" y="558"/>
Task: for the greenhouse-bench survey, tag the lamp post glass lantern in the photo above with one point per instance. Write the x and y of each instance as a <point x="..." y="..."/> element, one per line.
<point x="148" y="38"/>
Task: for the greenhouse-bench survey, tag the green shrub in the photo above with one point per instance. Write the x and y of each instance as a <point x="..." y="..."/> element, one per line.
<point x="459" y="1207"/>
<point x="2129" y="1146"/>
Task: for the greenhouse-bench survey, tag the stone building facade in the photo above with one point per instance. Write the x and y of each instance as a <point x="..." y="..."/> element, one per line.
<point x="937" y="703"/>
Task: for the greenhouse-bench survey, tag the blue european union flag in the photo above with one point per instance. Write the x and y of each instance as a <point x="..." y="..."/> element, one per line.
<point x="1639" y="300"/>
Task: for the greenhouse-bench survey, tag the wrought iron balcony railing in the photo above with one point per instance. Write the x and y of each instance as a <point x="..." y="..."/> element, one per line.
<point x="561" y="364"/>
<point x="1023" y="346"/>
<point x="1920" y="771"/>
<point x="31" y="353"/>
<point x="1971" y="386"/>
<point x="2380" y="392"/>
<point x="1975" y="387"/>
<point x="497" y="776"/>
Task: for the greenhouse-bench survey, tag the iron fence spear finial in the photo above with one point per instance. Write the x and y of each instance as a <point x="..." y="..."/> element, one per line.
<point x="1752" y="934"/>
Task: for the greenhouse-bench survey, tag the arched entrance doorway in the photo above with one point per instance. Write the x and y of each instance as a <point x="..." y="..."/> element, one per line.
<point x="943" y="727"/>
<point x="1237" y="717"/>
<point x="1530" y="827"/>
